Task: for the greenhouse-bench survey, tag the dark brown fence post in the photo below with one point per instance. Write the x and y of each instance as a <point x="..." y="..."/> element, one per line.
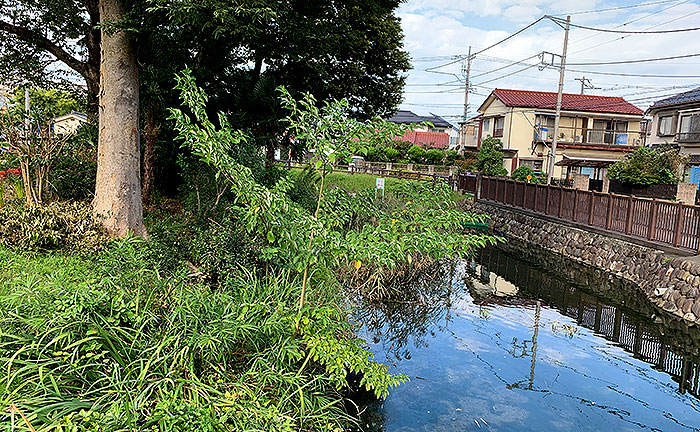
<point x="546" y="204"/>
<point x="534" y="200"/>
<point x="515" y="188"/>
<point x="628" y="223"/>
<point x="590" y="207"/>
<point x="679" y="225"/>
<point x="652" y="219"/>
<point x="608" y="216"/>
<point x="573" y="216"/>
<point x="561" y="200"/>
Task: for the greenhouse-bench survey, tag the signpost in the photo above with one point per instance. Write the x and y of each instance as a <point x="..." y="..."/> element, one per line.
<point x="380" y="185"/>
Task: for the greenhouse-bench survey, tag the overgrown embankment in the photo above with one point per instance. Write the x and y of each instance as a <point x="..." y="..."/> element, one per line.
<point x="230" y="316"/>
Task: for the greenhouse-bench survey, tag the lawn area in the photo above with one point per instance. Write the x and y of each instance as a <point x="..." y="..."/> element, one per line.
<point x="358" y="182"/>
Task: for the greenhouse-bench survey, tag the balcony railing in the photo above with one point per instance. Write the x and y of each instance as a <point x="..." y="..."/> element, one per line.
<point x="591" y="137"/>
<point x="595" y="136"/>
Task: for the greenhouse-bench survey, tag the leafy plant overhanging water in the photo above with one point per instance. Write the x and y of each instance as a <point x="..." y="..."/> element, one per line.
<point x="142" y="336"/>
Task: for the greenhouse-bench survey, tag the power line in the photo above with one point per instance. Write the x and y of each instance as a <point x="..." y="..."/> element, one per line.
<point x="632" y="75"/>
<point x="511" y="36"/>
<point x="507" y="75"/>
<point x="636" y="19"/>
<point x="507" y="66"/>
<point x="558" y="22"/>
<point x="620" y="7"/>
<point x="622" y="37"/>
<point x="635" y="61"/>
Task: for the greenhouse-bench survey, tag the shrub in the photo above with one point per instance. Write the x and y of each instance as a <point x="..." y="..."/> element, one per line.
<point x="391" y="153"/>
<point x="433" y="156"/>
<point x="402" y="147"/>
<point x="648" y="166"/>
<point x="75" y="168"/>
<point x="59" y="225"/>
<point x="451" y="156"/>
<point x="523" y="172"/>
<point x="304" y="190"/>
<point x="490" y="157"/>
<point x="416" y="154"/>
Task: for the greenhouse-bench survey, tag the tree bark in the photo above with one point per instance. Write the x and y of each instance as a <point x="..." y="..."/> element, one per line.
<point x="151" y="131"/>
<point x="118" y="186"/>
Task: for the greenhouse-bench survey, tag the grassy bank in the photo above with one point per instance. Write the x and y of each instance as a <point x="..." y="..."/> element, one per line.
<point x="117" y="341"/>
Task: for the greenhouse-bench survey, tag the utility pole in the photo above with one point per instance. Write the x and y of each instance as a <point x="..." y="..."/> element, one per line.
<point x="557" y="117"/>
<point x="466" y="85"/>
<point x="585" y="83"/>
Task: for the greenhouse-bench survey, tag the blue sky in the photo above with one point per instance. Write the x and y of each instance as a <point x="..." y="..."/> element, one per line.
<point x="438" y="30"/>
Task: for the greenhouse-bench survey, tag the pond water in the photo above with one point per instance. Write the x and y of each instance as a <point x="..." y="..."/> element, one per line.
<point x="504" y="343"/>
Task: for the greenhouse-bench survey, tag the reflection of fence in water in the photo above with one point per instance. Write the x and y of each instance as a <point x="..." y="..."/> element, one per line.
<point x="634" y="334"/>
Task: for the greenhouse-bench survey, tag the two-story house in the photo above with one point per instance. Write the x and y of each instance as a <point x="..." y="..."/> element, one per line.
<point x="423" y="136"/>
<point x="676" y="120"/>
<point x="594" y="131"/>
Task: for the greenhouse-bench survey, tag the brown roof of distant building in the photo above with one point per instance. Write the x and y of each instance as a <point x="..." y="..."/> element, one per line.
<point x="571" y="102"/>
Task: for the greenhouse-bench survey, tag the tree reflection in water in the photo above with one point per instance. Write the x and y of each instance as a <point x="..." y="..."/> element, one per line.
<point x="424" y="306"/>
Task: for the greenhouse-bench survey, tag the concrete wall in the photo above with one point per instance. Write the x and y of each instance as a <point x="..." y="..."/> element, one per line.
<point x="670" y="282"/>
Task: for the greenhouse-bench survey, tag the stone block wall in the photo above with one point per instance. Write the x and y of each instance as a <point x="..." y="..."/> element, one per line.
<point x="670" y="282"/>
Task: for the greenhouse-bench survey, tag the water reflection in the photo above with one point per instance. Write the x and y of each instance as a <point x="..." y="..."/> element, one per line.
<point x="506" y="343"/>
<point x="632" y="330"/>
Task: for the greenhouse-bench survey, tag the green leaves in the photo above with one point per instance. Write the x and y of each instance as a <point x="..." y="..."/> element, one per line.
<point x="490" y="157"/>
<point x="649" y="166"/>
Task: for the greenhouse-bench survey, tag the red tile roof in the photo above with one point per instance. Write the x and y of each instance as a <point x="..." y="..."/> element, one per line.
<point x="572" y="102"/>
<point x="427" y="139"/>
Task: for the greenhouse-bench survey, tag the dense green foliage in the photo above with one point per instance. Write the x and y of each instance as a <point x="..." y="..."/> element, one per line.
<point x="59" y="225"/>
<point x="648" y="166"/>
<point x="490" y="157"/>
<point x="120" y="343"/>
<point x="51" y="102"/>
<point x="526" y="174"/>
<point x="74" y="169"/>
<point x="201" y="327"/>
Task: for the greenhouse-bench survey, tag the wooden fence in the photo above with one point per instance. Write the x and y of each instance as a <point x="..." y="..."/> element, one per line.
<point x="666" y="222"/>
<point x="382" y="171"/>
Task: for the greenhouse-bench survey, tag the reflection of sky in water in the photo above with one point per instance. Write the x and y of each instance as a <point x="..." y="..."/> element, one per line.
<point x="474" y="375"/>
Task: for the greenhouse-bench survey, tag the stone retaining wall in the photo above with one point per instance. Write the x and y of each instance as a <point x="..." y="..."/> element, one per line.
<point x="670" y="282"/>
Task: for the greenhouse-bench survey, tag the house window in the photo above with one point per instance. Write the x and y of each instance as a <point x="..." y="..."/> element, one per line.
<point x="536" y="165"/>
<point x="690" y="128"/>
<point x="487" y="123"/>
<point x="665" y="125"/>
<point x="498" y="126"/>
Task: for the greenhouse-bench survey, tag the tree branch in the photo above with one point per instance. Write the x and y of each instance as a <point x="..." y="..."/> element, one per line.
<point x="35" y="38"/>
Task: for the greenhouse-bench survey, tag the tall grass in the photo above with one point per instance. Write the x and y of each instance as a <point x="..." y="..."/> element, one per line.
<point x="116" y="344"/>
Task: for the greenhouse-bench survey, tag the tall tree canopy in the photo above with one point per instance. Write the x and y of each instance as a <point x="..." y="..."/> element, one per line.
<point x="240" y="50"/>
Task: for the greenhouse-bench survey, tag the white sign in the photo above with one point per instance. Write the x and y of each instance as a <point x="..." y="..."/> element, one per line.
<point x="380" y="183"/>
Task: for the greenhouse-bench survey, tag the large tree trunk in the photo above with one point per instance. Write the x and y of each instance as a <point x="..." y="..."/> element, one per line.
<point x="118" y="186"/>
<point x="151" y="131"/>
